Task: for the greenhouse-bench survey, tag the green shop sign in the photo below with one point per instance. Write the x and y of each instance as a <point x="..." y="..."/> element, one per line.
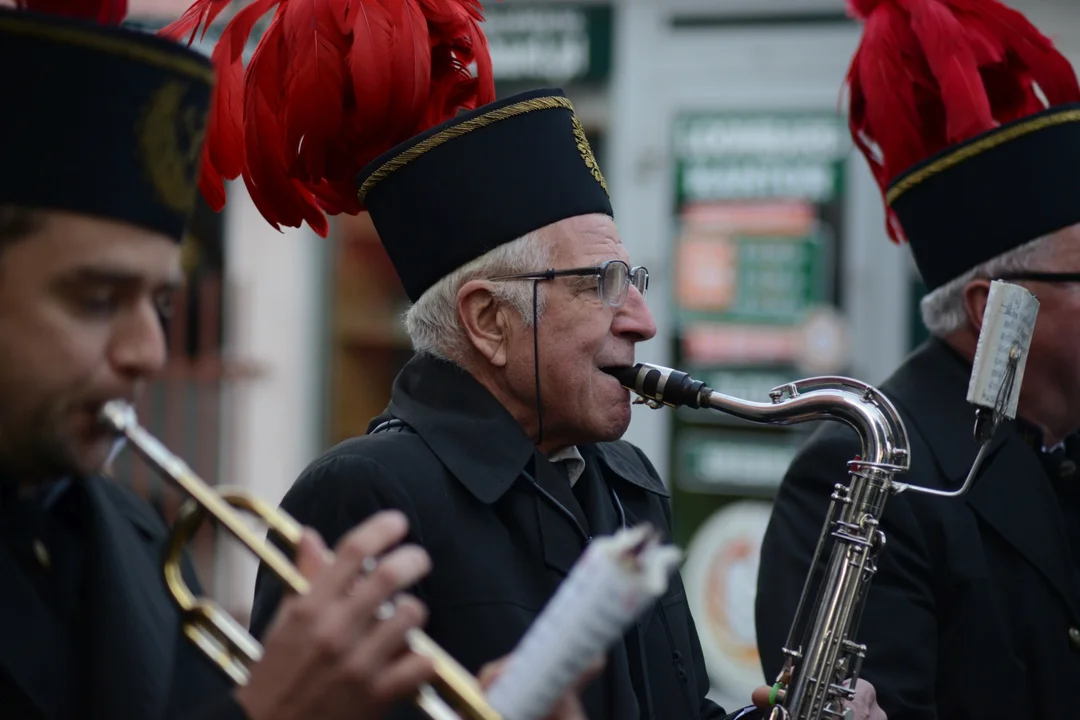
<point x="766" y="279"/>
<point x="732" y="461"/>
<point x="755" y="156"/>
<point x="549" y="43"/>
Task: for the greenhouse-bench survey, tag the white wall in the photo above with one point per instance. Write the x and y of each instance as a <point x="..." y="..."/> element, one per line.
<point x="274" y="320"/>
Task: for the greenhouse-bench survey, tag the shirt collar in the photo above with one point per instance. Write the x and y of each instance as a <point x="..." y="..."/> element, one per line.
<point x="573" y="461"/>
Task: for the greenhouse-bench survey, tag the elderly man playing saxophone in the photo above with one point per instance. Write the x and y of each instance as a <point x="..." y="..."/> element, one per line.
<point x="501" y="441"/>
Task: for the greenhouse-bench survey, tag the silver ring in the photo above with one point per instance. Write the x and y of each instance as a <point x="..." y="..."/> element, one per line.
<point x="385" y="611"/>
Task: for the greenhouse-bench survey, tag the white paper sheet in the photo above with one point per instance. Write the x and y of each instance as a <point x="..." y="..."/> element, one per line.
<point x="609" y="587"/>
<point x="1008" y="322"/>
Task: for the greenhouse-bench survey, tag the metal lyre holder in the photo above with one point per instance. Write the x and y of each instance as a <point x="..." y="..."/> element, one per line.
<point x="454" y="695"/>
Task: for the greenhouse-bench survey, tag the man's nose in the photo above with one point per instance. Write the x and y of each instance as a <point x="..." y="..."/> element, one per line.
<point x="138" y="344"/>
<point x="634" y="319"/>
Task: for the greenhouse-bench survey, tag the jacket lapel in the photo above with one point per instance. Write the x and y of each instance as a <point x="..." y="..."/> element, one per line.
<point x="34" y="653"/>
<point x="1011" y="493"/>
<point x="1018" y="501"/>
<point x="560" y="539"/>
<point x="135" y="630"/>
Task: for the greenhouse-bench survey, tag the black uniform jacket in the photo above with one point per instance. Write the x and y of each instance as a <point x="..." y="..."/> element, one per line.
<point x="501" y="543"/>
<point x="134" y="662"/>
<point x="974" y="610"/>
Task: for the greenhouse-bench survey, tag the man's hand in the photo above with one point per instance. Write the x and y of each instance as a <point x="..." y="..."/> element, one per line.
<point x="864" y="705"/>
<point x="326" y="654"/>
<point x="569" y="706"/>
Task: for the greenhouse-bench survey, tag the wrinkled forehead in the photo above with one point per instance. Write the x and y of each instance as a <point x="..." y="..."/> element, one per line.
<point x="586" y="240"/>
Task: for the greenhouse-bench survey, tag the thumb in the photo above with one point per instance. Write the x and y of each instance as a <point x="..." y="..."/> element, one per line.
<point x="490" y="672"/>
<point x="760" y="698"/>
<point x="591" y="673"/>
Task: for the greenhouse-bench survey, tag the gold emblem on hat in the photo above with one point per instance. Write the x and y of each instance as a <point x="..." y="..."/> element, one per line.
<point x="586" y="153"/>
<point x="170" y="137"/>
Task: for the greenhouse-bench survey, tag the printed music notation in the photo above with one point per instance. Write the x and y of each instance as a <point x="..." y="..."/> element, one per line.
<point x="1001" y="354"/>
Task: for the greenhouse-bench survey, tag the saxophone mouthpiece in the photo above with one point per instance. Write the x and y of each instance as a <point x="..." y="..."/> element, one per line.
<point x="625" y="374"/>
<point x="660" y="385"/>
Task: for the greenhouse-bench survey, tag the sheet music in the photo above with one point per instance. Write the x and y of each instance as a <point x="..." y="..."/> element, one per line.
<point x="609" y="587"/>
<point x="1008" y="322"/>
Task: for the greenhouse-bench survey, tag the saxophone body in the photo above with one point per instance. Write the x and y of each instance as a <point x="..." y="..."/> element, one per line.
<point x="822" y="658"/>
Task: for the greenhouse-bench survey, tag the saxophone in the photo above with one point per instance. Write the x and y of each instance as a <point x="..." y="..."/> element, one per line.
<point x="820" y="673"/>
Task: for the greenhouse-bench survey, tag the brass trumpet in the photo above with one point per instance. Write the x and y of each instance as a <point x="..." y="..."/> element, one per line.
<point x="456" y="694"/>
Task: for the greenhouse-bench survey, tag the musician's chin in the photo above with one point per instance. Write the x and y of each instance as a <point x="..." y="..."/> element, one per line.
<point x="617" y="418"/>
<point x="92" y="458"/>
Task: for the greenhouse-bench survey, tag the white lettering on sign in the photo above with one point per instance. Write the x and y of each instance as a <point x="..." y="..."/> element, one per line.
<point x="724" y="463"/>
<point x="714" y="182"/>
<point x="764" y="136"/>
<point x="533" y="21"/>
<point x="558" y="58"/>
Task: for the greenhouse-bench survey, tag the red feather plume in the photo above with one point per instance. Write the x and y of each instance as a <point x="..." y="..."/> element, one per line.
<point x="929" y="74"/>
<point x="102" y="12"/>
<point x="331" y="85"/>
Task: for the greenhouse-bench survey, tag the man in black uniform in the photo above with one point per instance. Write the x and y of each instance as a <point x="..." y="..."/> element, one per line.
<point x="99" y="143"/>
<point x="974" y="612"/>
<point x="501" y="441"/>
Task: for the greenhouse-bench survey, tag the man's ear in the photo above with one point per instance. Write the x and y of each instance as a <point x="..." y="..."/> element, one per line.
<point x="482" y="319"/>
<point x="976" y="294"/>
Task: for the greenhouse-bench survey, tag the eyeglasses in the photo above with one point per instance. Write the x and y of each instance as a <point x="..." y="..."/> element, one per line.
<point x="613" y="279"/>
<point x="1050" y="277"/>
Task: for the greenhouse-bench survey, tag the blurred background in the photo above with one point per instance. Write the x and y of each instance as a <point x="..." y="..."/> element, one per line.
<point x="720" y="130"/>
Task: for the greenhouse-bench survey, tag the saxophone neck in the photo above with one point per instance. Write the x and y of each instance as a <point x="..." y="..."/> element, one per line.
<point x="862" y="407"/>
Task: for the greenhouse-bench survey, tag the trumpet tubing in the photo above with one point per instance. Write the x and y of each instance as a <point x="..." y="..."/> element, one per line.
<point x="823" y="660"/>
<point x="454" y="694"/>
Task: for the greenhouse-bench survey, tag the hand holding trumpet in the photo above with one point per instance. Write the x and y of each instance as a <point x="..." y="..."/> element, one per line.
<point x="327" y="654"/>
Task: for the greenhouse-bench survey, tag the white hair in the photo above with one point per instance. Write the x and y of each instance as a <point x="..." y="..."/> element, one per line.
<point x="432" y="322"/>
<point x="943" y="309"/>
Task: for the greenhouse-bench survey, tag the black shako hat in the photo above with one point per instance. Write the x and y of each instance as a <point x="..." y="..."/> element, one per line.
<point x="991" y="194"/>
<point x="970" y="120"/>
<point x="100" y="120"/>
<point x="478" y="181"/>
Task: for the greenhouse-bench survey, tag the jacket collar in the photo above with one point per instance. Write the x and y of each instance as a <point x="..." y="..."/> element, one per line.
<point x="135" y="626"/>
<point x="475" y="436"/>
